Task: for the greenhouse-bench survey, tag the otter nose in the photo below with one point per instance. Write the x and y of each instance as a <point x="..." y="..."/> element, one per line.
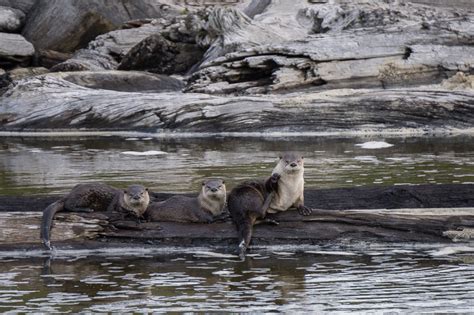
<point x="293" y="164"/>
<point x="136" y="197"/>
<point x="213" y="189"/>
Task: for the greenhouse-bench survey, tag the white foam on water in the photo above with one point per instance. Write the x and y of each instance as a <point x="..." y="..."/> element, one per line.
<point x="374" y="145"/>
<point x="145" y="153"/>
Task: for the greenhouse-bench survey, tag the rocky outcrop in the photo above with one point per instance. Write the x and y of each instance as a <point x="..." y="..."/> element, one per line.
<point x="49" y="102"/>
<point x="76" y="23"/>
<point x="11" y="20"/>
<point x="107" y="50"/>
<point x="14" y="50"/>
<point x="351" y="45"/>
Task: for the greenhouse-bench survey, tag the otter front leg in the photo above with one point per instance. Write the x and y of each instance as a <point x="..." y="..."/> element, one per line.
<point x="302" y="209"/>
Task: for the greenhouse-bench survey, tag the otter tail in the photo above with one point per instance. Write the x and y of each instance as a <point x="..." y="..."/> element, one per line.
<point x="47" y="220"/>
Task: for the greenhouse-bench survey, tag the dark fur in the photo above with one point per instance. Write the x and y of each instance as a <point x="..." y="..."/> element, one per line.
<point x="187" y="209"/>
<point x="247" y="203"/>
<point x="84" y="198"/>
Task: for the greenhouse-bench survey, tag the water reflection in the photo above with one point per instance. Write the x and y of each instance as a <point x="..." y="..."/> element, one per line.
<point x="44" y="165"/>
<point x="395" y="278"/>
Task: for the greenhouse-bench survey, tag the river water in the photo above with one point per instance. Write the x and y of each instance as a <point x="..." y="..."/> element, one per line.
<point x="344" y="277"/>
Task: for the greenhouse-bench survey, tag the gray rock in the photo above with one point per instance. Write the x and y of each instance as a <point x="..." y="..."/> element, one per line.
<point x="8" y="79"/>
<point x="14" y="49"/>
<point x="23" y="5"/>
<point x="160" y="55"/>
<point x="107" y="50"/>
<point x="76" y="23"/>
<point x="11" y="20"/>
<point x="125" y="81"/>
<point x="49" y="103"/>
<point x="365" y="44"/>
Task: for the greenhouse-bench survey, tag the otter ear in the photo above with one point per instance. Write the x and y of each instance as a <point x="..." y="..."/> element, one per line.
<point x="124" y="191"/>
<point x="146" y="189"/>
<point x="203" y="183"/>
<point x="280" y="157"/>
<point x="223" y="181"/>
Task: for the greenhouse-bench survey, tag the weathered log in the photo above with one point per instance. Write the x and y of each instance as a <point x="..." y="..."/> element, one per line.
<point x="401" y="225"/>
<point x="427" y="213"/>
<point x="373" y="197"/>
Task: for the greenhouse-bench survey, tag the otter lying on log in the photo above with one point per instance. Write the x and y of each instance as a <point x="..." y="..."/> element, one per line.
<point x="95" y="197"/>
<point x="205" y="208"/>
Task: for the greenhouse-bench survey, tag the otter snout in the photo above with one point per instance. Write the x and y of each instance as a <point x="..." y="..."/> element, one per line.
<point x="293" y="164"/>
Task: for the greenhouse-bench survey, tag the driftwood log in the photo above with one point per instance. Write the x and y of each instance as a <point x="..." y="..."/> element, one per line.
<point x="425" y="213"/>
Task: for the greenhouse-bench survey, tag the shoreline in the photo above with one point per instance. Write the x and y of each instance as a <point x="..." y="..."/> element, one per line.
<point x="396" y="133"/>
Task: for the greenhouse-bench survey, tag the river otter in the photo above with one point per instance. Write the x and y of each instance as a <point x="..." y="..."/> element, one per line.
<point x="132" y="201"/>
<point x="93" y="197"/>
<point x="290" y="186"/>
<point x="204" y="208"/>
<point x="248" y="202"/>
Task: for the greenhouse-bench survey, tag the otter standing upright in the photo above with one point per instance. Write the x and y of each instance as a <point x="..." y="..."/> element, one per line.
<point x="290" y="192"/>
<point x="248" y="202"/>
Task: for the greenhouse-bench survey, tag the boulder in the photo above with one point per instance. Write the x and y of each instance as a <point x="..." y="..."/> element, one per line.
<point x="11" y="20"/>
<point x="160" y="55"/>
<point x="14" y="50"/>
<point x="107" y="50"/>
<point x="76" y="23"/>
<point x="23" y="5"/>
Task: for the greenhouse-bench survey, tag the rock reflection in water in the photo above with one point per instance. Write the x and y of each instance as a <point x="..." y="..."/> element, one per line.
<point x="396" y="278"/>
<point x="54" y="165"/>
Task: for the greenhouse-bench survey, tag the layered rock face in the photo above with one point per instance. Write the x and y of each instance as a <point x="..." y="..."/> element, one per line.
<point x="261" y="66"/>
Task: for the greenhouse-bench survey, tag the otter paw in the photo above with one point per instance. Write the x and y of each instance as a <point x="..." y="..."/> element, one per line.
<point x="304" y="210"/>
<point x="47" y="245"/>
<point x="242" y="250"/>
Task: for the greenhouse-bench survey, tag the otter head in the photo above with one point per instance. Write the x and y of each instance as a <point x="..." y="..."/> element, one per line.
<point x="136" y="196"/>
<point x="291" y="162"/>
<point x="214" y="189"/>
